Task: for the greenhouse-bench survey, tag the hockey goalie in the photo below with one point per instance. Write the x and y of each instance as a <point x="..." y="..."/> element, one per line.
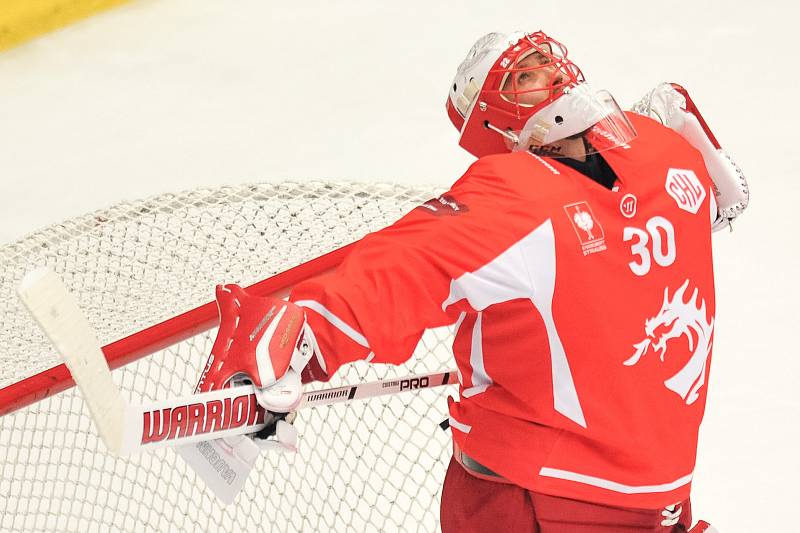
<point x="574" y="260"/>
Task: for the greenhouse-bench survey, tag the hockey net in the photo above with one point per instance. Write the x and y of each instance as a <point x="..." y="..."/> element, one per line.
<point x="375" y="465"/>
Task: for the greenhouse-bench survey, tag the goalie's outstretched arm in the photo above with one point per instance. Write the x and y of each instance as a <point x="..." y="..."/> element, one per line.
<point x="394" y="284"/>
<point x="375" y="306"/>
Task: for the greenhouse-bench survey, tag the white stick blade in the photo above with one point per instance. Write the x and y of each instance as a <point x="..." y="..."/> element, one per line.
<point x="59" y="316"/>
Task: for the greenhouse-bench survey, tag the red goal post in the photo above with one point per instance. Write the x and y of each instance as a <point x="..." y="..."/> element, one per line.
<point x="136" y="268"/>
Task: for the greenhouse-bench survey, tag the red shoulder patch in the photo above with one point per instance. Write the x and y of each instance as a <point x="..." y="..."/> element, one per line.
<point x="444" y="205"/>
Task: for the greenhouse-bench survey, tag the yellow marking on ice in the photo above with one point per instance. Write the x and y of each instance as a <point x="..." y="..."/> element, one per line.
<point x="23" y="20"/>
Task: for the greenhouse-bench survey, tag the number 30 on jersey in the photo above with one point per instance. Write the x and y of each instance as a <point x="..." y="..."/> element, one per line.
<point x="655" y="243"/>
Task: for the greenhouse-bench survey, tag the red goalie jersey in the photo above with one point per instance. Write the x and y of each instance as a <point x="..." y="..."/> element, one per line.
<point x="584" y="316"/>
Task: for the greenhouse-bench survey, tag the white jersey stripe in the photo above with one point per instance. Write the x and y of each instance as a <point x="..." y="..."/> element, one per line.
<point x="526" y="269"/>
<point x="337" y="322"/>
<point x="613" y="485"/>
<point x="480" y="378"/>
<point x="456" y="328"/>
<point x="463" y="428"/>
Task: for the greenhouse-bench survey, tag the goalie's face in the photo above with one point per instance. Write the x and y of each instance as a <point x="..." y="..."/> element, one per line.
<point x="534" y="79"/>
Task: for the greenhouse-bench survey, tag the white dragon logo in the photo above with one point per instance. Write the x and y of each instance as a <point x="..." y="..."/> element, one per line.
<point x="683" y="318"/>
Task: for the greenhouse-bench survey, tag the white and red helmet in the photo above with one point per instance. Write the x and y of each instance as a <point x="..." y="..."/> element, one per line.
<point x="488" y="107"/>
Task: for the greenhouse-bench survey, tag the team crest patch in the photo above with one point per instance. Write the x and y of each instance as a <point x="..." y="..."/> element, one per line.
<point x="443" y="205"/>
<point x="686" y="189"/>
<point x="627" y="206"/>
<point x="587" y="227"/>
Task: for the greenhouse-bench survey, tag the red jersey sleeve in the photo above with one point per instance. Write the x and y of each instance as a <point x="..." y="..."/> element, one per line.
<point x="392" y="286"/>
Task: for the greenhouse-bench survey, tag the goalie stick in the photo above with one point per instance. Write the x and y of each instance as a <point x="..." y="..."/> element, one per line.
<point x="127" y="428"/>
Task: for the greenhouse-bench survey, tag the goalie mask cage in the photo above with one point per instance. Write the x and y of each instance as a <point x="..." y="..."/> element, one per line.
<point x="375" y="465"/>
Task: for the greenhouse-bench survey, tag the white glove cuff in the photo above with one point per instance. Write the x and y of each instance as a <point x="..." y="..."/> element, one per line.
<point x="284" y="395"/>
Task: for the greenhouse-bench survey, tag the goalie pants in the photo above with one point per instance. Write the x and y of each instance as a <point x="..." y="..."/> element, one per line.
<point x="471" y="504"/>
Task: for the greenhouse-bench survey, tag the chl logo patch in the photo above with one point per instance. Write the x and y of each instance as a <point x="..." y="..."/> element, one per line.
<point x="686" y="189"/>
<point x="587" y="227"/>
<point x="627" y="206"/>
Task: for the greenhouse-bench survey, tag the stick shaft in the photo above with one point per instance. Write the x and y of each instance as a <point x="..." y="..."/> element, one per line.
<point x="187" y="419"/>
<point x="234" y="411"/>
<point x="374" y="389"/>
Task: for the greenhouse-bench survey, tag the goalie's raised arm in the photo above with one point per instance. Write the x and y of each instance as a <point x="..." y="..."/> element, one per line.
<point x="671" y="105"/>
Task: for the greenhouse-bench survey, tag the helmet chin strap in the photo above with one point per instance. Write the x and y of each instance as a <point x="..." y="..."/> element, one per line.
<point x="515" y="141"/>
<point x="509" y="135"/>
<point x="573" y="147"/>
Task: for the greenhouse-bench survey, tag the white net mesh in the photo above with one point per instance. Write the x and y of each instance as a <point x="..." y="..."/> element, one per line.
<point x="367" y="466"/>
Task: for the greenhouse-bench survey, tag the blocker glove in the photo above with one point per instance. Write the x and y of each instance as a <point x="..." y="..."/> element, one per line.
<point x="264" y="341"/>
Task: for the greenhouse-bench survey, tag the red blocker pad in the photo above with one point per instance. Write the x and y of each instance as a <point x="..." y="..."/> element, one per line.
<point x="257" y="338"/>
